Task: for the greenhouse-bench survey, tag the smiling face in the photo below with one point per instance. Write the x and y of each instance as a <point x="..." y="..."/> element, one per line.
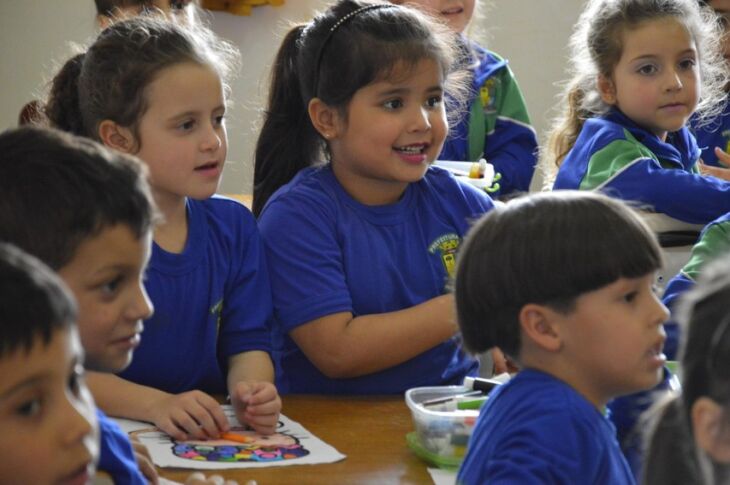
<point x="393" y="131"/>
<point x="656" y="81"/>
<point x="47" y="416"/>
<point x="613" y="340"/>
<point x="105" y="277"/>
<point x="455" y="13"/>
<point x="183" y="137"/>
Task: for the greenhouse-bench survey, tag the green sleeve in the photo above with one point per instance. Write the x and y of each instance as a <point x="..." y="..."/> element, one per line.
<point x="715" y="241"/>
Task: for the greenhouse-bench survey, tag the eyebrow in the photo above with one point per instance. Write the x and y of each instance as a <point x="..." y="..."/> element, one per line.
<point x="401" y="91"/>
<point x="29" y="382"/>
<point x="654" y="56"/>
<point x="189" y="113"/>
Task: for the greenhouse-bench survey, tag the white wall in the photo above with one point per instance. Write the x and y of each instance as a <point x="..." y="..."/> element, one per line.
<point x="35" y="36"/>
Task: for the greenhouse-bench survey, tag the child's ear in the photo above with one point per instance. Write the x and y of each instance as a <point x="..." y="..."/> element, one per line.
<point x="711" y="428"/>
<point x="538" y="324"/>
<point x="116" y="137"/>
<point x="325" y="118"/>
<point x="607" y="89"/>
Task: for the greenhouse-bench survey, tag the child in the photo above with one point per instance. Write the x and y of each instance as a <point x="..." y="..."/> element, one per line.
<point x="49" y="430"/>
<point x="639" y="65"/>
<point x="496" y="125"/>
<point x="562" y="283"/>
<point x="92" y="216"/>
<point x="156" y="89"/>
<point x="690" y="442"/>
<point x="360" y="248"/>
<point x="714" y="241"/>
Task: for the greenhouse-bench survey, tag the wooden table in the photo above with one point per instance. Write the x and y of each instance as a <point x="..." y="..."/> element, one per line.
<point x="371" y="431"/>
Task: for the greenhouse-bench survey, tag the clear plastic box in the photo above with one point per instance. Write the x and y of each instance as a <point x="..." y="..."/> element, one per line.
<point x="441" y="437"/>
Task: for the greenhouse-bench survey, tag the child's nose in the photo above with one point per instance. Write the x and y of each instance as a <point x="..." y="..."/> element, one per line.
<point x="674" y="82"/>
<point x="212" y="140"/>
<point x="420" y="120"/>
<point x="78" y="421"/>
<point x="141" y="307"/>
<point x="660" y="312"/>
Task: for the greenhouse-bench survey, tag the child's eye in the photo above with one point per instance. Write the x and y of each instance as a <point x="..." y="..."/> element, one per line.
<point x="29" y="408"/>
<point x="393" y="104"/>
<point x="630" y="297"/>
<point x="110" y="287"/>
<point x="434" y="101"/>
<point x="187" y="125"/>
<point x="219" y="120"/>
<point x="647" y="69"/>
<point x="687" y="64"/>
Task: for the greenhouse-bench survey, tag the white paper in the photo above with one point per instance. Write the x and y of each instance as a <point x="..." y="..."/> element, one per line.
<point x="292" y="444"/>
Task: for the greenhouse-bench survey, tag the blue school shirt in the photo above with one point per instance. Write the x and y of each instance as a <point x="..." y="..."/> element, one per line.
<point x="536" y="429"/>
<point x="212" y="301"/>
<point x="510" y="142"/>
<point x="328" y="253"/>
<point x="616" y="156"/>
<point x="116" y="455"/>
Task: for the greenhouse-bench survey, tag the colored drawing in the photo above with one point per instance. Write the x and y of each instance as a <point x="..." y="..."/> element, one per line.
<point x="291" y="444"/>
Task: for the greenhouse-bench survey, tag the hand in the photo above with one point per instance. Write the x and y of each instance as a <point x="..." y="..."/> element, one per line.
<point x="190" y="415"/>
<point x="502" y="364"/>
<point x="719" y="172"/>
<point x="257" y="404"/>
<point x="144" y="461"/>
<point x="198" y="478"/>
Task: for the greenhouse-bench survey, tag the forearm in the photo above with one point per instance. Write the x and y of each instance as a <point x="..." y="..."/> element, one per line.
<point x="251" y="366"/>
<point x="122" y="398"/>
<point x="357" y="346"/>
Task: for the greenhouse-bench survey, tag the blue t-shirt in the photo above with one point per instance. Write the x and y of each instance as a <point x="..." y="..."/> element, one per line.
<point x="536" y="429"/>
<point x="116" y="456"/>
<point x="328" y="253"/>
<point x="212" y="301"/>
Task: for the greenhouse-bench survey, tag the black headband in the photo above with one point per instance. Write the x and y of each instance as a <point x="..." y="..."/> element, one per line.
<point x="333" y="29"/>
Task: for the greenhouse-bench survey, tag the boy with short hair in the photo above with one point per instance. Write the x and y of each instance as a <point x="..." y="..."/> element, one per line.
<point x="49" y="428"/>
<point x="562" y="282"/>
<point x="87" y="213"/>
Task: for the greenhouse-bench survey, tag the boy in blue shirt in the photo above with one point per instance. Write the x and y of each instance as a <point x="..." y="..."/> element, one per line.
<point x="562" y="283"/>
<point x="88" y="214"/>
<point x="46" y="411"/>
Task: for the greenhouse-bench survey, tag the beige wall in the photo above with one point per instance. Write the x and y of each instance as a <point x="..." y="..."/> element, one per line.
<point x="35" y="37"/>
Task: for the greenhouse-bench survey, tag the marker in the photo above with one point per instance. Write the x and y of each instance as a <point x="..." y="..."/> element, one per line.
<point x="236" y="437"/>
<point x="471" y="403"/>
<point x="443" y="400"/>
<point x="480" y="384"/>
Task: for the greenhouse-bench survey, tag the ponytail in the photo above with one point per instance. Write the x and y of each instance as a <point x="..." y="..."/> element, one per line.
<point x="63" y="108"/>
<point x="288" y="141"/>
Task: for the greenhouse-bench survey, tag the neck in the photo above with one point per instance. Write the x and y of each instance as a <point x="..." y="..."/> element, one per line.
<point x="171" y="234"/>
<point x="369" y="191"/>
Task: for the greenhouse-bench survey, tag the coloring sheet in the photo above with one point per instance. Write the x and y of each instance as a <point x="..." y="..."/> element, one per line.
<point x="292" y="444"/>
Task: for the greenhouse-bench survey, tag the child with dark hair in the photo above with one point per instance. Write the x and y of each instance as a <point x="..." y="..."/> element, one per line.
<point x="689" y="433"/>
<point x="49" y="429"/>
<point x="157" y="90"/>
<point x="87" y="212"/>
<point x="360" y="232"/>
<point x="562" y="282"/>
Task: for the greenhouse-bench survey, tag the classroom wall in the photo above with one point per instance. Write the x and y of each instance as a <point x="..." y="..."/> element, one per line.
<point x="35" y="38"/>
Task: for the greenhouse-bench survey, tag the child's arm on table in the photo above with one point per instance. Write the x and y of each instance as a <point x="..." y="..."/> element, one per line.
<point x="253" y="396"/>
<point x="189" y="415"/>
<point x="341" y="346"/>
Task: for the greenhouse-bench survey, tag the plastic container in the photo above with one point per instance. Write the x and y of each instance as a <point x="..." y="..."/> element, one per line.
<point x="441" y="437"/>
<point x="461" y="171"/>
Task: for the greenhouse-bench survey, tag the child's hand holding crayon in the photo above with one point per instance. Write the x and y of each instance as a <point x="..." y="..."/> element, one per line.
<point x="257" y="404"/>
<point x="190" y="415"/>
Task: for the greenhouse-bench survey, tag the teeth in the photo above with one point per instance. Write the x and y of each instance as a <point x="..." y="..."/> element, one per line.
<point x="411" y="149"/>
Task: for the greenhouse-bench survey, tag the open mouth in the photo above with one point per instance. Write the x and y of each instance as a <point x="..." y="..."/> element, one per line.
<point x="418" y="149"/>
<point x="207" y="166"/>
<point x="452" y="11"/>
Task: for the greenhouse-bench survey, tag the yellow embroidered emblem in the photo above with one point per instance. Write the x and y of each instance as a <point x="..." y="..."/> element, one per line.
<point x="446" y="246"/>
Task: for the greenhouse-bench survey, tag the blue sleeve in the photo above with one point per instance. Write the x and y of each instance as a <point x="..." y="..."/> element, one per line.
<point x="247" y="308"/>
<point x="685" y="196"/>
<point x="116" y="455"/>
<point x="304" y="259"/>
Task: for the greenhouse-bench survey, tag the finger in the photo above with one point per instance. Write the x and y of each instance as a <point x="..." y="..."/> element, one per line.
<point x="195" y="479"/>
<point x="170" y="428"/>
<point x="270" y="407"/>
<point x="187" y="422"/>
<point x="140" y="449"/>
<point x="722" y="156"/>
<point x="147" y="468"/>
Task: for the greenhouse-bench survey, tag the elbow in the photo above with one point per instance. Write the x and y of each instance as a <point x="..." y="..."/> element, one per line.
<point x="336" y="364"/>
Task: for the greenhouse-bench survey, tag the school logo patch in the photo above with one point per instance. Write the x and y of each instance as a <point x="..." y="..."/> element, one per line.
<point x="446" y="247"/>
<point x="486" y="93"/>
